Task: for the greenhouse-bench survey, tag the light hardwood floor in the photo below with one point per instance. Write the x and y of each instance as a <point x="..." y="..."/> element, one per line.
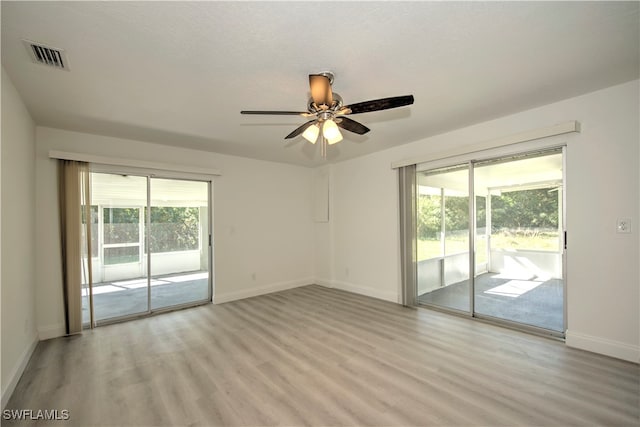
<point x="323" y="357"/>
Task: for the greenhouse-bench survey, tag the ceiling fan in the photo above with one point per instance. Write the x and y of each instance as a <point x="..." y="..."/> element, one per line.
<point x="328" y="112"/>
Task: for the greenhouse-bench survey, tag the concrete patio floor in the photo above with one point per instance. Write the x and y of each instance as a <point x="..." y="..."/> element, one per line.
<point x="527" y="300"/>
<point x="128" y="297"/>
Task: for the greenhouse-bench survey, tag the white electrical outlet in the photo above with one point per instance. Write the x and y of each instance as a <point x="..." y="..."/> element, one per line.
<point x="623" y="225"/>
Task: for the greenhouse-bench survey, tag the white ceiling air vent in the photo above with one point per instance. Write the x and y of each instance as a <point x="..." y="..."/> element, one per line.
<point x="47" y="55"/>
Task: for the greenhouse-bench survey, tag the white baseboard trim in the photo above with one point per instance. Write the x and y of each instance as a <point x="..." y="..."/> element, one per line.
<point x="219" y="298"/>
<point x="357" y="289"/>
<point x="51" y="331"/>
<point x="17" y="371"/>
<point x="323" y="282"/>
<point x="612" y="348"/>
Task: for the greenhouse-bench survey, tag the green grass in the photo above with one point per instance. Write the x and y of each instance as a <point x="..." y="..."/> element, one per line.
<point x="504" y="240"/>
<point x="535" y="241"/>
<point x="431" y="248"/>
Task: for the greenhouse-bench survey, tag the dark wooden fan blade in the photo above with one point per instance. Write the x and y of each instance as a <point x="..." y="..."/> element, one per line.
<point x="278" y="113"/>
<point x="352" y="126"/>
<point x="380" y="104"/>
<point x="320" y="89"/>
<point x="300" y="129"/>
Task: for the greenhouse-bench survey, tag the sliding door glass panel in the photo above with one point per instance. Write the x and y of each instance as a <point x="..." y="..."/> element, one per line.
<point x="443" y="238"/>
<point x="119" y="272"/>
<point x="518" y="240"/>
<point x="178" y="242"/>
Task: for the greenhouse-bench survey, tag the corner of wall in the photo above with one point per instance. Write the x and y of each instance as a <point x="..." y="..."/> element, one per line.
<point x="327" y="283"/>
<point x="255" y="291"/>
<point x="19" y="337"/>
<point x="18" y="370"/>
<point x="360" y="290"/>
<point x="51" y="331"/>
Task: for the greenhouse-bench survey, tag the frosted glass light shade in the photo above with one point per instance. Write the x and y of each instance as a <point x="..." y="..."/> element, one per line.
<point x="334" y="140"/>
<point x="331" y="132"/>
<point x="311" y="133"/>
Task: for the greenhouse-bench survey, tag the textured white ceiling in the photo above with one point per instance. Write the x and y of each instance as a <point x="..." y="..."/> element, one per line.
<point x="178" y="73"/>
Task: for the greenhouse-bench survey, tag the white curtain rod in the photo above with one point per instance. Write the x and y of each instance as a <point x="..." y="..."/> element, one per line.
<point x="143" y="164"/>
<point x="531" y="135"/>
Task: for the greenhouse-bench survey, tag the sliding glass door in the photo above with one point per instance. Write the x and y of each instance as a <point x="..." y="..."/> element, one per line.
<point x="150" y="245"/>
<point x="117" y="237"/>
<point x="443" y="238"/>
<point x="179" y="242"/>
<point x="512" y="269"/>
<point x="521" y="279"/>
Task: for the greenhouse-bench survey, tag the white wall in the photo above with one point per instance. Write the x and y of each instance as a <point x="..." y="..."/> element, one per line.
<point x="162" y="263"/>
<point x="263" y="225"/>
<point x="18" y="238"/>
<point x="522" y="263"/>
<point x="321" y="211"/>
<point x="602" y="185"/>
<point x="364" y="227"/>
<point x="265" y="238"/>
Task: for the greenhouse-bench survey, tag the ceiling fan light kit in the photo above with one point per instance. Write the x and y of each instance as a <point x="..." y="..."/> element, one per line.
<point x="330" y="130"/>
<point x="311" y="134"/>
<point x="329" y="112"/>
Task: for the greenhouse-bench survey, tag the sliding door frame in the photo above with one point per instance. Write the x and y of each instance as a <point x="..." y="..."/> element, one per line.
<point x="150" y="174"/>
<point x="472" y="236"/>
<point x="495" y="154"/>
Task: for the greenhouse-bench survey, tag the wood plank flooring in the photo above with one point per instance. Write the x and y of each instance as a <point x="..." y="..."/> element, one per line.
<point x="322" y="357"/>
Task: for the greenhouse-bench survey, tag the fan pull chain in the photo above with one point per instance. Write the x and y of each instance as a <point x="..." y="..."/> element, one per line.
<point x="323" y="147"/>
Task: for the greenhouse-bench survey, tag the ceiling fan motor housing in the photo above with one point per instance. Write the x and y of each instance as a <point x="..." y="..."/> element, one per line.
<point x="329" y="75"/>
<point x="313" y="108"/>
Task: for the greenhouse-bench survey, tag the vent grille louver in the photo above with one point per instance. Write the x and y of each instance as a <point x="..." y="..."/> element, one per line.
<point x="47" y="55"/>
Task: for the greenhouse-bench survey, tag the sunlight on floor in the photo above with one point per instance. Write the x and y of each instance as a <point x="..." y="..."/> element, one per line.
<point x="105" y="289"/>
<point x="513" y="288"/>
<point x="186" y="277"/>
<point x="125" y="285"/>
